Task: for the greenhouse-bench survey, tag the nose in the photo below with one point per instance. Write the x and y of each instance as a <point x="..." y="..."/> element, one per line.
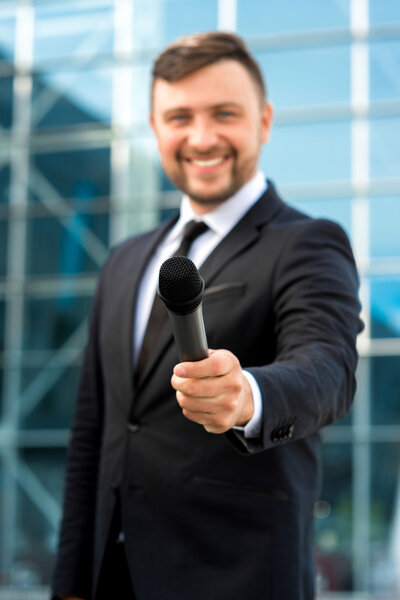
<point x="202" y="135"/>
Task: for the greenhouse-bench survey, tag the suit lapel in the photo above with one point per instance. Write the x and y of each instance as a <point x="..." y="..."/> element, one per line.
<point x="242" y="236"/>
<point x="126" y="308"/>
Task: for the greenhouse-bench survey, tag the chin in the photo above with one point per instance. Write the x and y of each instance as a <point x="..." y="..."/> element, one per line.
<point x="212" y="197"/>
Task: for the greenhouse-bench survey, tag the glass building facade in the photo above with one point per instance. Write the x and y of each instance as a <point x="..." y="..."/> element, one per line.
<point x="79" y="172"/>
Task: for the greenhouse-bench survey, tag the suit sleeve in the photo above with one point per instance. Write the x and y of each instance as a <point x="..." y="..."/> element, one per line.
<point x="73" y="571"/>
<point x="311" y="382"/>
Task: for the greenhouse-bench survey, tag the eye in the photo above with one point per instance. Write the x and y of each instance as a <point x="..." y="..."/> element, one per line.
<point x="225" y="114"/>
<point x="181" y="118"/>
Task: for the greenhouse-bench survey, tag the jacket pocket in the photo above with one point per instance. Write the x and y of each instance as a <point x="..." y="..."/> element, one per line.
<point x="240" y="487"/>
<point x="232" y="289"/>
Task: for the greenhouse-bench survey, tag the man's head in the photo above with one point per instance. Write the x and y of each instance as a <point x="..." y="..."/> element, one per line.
<point x="193" y="52"/>
<point x="210" y="115"/>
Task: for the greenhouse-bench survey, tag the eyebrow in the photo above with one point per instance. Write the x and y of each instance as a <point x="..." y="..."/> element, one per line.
<point x="186" y="109"/>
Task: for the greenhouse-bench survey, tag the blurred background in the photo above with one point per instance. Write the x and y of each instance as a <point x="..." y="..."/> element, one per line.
<point x="79" y="172"/>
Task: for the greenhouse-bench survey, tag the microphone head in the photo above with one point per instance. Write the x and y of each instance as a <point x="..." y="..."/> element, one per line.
<point x="180" y="285"/>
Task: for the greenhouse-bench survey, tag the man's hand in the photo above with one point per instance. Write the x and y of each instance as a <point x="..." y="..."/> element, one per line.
<point x="214" y="392"/>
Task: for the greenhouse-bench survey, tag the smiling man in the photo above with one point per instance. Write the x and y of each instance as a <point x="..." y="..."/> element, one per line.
<point x="210" y="127"/>
<point x="197" y="480"/>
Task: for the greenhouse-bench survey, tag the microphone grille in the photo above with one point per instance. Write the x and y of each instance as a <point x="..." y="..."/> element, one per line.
<point x="180" y="284"/>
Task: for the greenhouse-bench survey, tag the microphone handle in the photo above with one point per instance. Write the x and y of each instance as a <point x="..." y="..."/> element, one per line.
<point x="190" y="335"/>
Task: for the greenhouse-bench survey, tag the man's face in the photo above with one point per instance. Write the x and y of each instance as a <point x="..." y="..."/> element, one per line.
<point x="210" y="127"/>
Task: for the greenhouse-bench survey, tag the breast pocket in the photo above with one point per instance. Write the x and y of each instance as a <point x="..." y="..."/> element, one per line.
<point x="226" y="313"/>
<point x="224" y="291"/>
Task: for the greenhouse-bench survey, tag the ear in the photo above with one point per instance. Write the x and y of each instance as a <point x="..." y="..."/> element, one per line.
<point x="151" y="121"/>
<point x="267" y="117"/>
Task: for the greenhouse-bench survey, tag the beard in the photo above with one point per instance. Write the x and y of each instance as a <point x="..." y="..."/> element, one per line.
<point x="239" y="175"/>
<point x="207" y="199"/>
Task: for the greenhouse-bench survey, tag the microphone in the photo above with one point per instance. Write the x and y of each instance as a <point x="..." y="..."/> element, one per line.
<point x="181" y="289"/>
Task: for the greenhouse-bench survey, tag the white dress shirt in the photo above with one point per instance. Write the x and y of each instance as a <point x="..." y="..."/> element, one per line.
<point x="220" y="222"/>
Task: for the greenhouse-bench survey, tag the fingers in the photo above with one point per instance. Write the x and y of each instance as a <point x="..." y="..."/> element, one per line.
<point x="208" y="387"/>
<point x="213" y="419"/>
<point x="213" y="406"/>
<point x="211" y="423"/>
<point x="210" y="392"/>
<point x="219" y="362"/>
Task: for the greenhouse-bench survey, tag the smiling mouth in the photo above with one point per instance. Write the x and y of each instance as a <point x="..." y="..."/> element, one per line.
<point x="211" y="162"/>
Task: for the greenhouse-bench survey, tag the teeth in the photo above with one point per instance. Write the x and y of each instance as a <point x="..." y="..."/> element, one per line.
<point x="207" y="163"/>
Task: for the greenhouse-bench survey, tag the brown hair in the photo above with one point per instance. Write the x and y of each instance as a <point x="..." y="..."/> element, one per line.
<point x="190" y="53"/>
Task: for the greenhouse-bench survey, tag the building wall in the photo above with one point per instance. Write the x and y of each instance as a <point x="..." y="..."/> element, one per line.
<point x="79" y="172"/>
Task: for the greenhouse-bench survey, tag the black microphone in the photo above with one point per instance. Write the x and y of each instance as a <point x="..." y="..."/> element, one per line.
<point x="181" y="289"/>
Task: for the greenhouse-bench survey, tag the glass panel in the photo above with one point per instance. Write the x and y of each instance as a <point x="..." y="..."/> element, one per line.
<point x="7" y="31"/>
<point x="2" y="324"/>
<point x="1" y="408"/>
<point x="141" y="83"/>
<point x="306" y="77"/>
<point x="385" y="307"/>
<point x="335" y="209"/>
<point x="50" y="322"/>
<point x="255" y="17"/>
<point x="76" y="243"/>
<point x="3" y="247"/>
<point x="385" y="238"/>
<point x="384" y="11"/>
<point x="385" y="147"/>
<point x="72" y="29"/>
<point x="80" y="175"/>
<point x="64" y="98"/>
<point x="143" y="209"/>
<point x="308" y="153"/>
<point x="184" y="16"/>
<point x="4" y="179"/>
<point x="43" y="470"/>
<point x="385" y="518"/>
<point x="333" y="520"/>
<point x="6" y="94"/>
<point x="384" y="70"/>
<point x="49" y="396"/>
<point x="2" y="342"/>
<point x="158" y="22"/>
<point x="385" y="390"/>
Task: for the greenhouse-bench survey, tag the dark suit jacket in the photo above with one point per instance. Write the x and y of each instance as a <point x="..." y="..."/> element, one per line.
<point x="213" y="516"/>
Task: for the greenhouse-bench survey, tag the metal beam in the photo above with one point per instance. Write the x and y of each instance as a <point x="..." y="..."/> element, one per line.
<point x="22" y="89"/>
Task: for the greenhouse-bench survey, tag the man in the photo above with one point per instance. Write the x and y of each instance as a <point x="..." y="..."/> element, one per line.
<point x="197" y="480"/>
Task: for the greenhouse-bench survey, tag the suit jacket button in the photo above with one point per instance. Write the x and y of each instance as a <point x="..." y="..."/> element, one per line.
<point x="133" y="427"/>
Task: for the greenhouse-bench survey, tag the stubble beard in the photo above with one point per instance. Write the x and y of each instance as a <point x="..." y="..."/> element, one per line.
<point x="237" y="179"/>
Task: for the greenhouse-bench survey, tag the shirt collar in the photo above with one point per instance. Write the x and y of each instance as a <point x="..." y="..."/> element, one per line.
<point x="226" y="215"/>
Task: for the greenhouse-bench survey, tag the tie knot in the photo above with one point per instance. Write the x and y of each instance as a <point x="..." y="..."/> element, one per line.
<point x="192" y="230"/>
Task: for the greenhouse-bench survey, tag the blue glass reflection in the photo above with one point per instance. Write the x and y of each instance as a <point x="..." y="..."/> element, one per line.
<point x="384" y="69"/>
<point x="304" y="77"/>
<point x="2" y="326"/>
<point x="255" y="17"/>
<point x="384" y="11"/>
<point x="385" y="307"/>
<point x="65" y="98"/>
<point x="308" y="152"/>
<point x="6" y="91"/>
<point x="158" y="22"/>
<point x="385" y="227"/>
<point x="7" y="33"/>
<point x="65" y="30"/>
<point x="385" y="147"/>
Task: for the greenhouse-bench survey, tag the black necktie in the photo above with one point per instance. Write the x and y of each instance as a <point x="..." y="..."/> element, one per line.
<point x="158" y="314"/>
